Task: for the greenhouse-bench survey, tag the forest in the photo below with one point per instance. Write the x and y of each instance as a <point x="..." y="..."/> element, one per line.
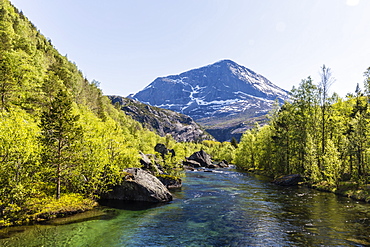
<point x="321" y="136"/>
<point x="62" y="143"/>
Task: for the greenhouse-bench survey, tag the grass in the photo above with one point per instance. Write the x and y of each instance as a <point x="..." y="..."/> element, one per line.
<point x="348" y="189"/>
<point x="354" y="190"/>
<point x="46" y="208"/>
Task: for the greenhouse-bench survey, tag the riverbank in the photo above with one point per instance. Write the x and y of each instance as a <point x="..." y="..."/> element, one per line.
<point x="219" y="208"/>
<point x="348" y="189"/>
<point x="42" y="209"/>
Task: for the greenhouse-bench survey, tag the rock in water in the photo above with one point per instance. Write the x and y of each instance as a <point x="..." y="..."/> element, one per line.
<point x="170" y="182"/>
<point x="289" y="180"/>
<point x="139" y="185"/>
<point x="191" y="163"/>
<point x="223" y="164"/>
<point x="202" y="158"/>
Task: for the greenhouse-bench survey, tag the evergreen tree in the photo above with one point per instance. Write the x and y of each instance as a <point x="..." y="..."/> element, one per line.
<point x="234" y="142"/>
<point x="60" y="133"/>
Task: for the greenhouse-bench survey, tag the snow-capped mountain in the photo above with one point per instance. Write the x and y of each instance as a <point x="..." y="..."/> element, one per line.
<point x="220" y="90"/>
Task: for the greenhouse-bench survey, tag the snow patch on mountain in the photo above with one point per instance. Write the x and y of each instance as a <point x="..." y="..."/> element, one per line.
<point x="217" y="90"/>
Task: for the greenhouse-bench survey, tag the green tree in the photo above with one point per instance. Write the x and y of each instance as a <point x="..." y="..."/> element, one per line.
<point x="234" y="142"/>
<point x="326" y="81"/>
<point x="7" y="80"/>
<point x="60" y="133"/>
<point x="19" y="156"/>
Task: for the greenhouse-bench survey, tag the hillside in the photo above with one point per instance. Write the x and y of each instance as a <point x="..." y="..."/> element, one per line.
<point x="181" y="127"/>
<point x="220" y="96"/>
<point x="62" y="143"/>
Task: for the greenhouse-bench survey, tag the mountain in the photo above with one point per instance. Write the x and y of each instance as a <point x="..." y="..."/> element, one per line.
<point x="181" y="127"/>
<point x="220" y="96"/>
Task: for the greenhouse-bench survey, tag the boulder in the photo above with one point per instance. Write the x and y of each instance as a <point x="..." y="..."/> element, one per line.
<point x="192" y="163"/>
<point x="162" y="149"/>
<point x="139" y="185"/>
<point x="202" y="158"/>
<point x="346" y="177"/>
<point x="213" y="166"/>
<point x="148" y="165"/>
<point x="170" y="182"/>
<point x="289" y="180"/>
<point x="223" y="164"/>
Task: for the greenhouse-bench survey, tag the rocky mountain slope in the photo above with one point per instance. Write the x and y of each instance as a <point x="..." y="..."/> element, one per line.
<point x="224" y="97"/>
<point x="181" y="127"/>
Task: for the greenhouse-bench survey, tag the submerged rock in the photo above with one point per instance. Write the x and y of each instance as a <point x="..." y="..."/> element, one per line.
<point x="289" y="180"/>
<point x="139" y="185"/>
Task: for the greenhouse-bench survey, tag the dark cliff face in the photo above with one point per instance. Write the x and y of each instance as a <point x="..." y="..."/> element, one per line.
<point x="220" y="96"/>
<point x="181" y="127"/>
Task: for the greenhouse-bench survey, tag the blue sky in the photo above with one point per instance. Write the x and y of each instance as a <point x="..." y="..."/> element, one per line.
<point x="127" y="44"/>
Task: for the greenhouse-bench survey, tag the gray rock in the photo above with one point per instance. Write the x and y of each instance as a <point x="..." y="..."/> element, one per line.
<point x="161" y="148"/>
<point x="139" y="185"/>
<point x="192" y="163"/>
<point x="148" y="165"/>
<point x="170" y="182"/>
<point x="202" y="158"/>
<point x="213" y="166"/>
<point x="223" y="164"/>
<point x="289" y="180"/>
<point x="164" y="122"/>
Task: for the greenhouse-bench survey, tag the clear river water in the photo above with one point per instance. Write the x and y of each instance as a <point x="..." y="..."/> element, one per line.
<point x="220" y="208"/>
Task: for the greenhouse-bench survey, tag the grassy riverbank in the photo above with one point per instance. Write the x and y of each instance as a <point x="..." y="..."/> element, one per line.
<point x="46" y="208"/>
<point x="354" y="190"/>
<point x="348" y="189"/>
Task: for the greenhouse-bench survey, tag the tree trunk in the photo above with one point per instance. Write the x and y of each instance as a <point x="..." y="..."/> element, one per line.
<point x="58" y="181"/>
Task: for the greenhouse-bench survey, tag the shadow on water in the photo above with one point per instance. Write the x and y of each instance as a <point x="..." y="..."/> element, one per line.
<point x="130" y="205"/>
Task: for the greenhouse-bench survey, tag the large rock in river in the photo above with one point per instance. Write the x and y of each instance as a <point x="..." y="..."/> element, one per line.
<point x="139" y="185"/>
<point x="171" y="182"/>
<point x="202" y="158"/>
<point x="289" y="180"/>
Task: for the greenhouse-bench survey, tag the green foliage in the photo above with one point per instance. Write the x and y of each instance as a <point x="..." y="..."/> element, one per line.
<point x="323" y="138"/>
<point x="245" y="155"/>
<point x="58" y="134"/>
<point x="19" y="160"/>
<point x="234" y="142"/>
<point x="219" y="151"/>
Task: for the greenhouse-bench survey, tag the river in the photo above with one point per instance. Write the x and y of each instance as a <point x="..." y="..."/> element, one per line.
<point x="220" y="208"/>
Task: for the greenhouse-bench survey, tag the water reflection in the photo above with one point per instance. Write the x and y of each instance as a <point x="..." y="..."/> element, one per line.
<point x="223" y="208"/>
